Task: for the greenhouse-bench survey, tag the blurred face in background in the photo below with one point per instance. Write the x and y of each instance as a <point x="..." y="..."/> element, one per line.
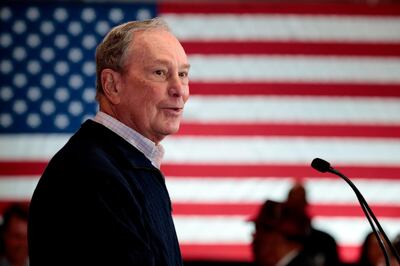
<point x="374" y="252"/>
<point x="266" y="247"/>
<point x="297" y="198"/>
<point x="16" y="241"/>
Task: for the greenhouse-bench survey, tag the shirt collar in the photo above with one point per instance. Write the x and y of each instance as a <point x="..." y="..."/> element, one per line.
<point x="288" y="258"/>
<point x="153" y="152"/>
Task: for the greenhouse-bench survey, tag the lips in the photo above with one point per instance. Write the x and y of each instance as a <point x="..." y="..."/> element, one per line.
<point x="173" y="110"/>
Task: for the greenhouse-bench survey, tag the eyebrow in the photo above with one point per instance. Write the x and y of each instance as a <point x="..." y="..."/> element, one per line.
<point x="166" y="62"/>
<point x="186" y="66"/>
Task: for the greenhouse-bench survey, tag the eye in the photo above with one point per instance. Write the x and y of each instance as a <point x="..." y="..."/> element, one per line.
<point x="159" y="72"/>
<point x="183" y="74"/>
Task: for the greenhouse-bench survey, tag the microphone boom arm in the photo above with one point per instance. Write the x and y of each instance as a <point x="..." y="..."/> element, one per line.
<point x="369" y="214"/>
<point x="323" y="166"/>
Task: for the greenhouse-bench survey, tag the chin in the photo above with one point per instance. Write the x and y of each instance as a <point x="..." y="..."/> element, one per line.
<point x="174" y="125"/>
<point x="172" y="129"/>
<point x="168" y="127"/>
<point x="162" y="133"/>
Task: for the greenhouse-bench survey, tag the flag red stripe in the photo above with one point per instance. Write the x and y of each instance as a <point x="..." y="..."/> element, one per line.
<point x="276" y="170"/>
<point x="279" y="8"/>
<point x="4" y="204"/>
<point x="251" y="209"/>
<point x="21" y="168"/>
<point x="309" y="130"/>
<point x="298" y="89"/>
<point x="216" y="252"/>
<point x="17" y="168"/>
<point x="292" y="47"/>
<point x="349" y="254"/>
<point x="242" y="252"/>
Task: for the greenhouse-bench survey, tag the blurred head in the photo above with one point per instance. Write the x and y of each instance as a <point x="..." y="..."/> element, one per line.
<point x="266" y="247"/>
<point x="14" y="234"/>
<point x="278" y="231"/>
<point x="297" y="198"/>
<point x="371" y="254"/>
<point x="396" y="243"/>
<point x="142" y="77"/>
<point x="266" y="238"/>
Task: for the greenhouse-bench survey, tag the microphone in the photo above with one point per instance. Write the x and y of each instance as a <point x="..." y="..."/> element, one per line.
<point x="323" y="167"/>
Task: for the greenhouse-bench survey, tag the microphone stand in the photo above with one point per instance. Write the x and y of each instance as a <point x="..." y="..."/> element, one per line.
<point x="373" y="221"/>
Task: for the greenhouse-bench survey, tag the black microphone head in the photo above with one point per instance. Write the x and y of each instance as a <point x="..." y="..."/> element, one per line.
<point x="320" y="165"/>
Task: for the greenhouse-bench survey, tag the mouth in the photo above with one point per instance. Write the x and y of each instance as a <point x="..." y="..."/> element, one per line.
<point x="173" y="110"/>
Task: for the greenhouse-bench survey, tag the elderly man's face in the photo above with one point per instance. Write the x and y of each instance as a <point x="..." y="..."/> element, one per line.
<point x="155" y="84"/>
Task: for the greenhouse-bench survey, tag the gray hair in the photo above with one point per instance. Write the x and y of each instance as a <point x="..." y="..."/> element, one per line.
<point x="113" y="50"/>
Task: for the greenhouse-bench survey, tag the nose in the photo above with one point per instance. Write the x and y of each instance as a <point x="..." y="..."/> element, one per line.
<point x="177" y="87"/>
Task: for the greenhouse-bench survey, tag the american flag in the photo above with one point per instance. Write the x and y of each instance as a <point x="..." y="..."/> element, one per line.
<point x="273" y="85"/>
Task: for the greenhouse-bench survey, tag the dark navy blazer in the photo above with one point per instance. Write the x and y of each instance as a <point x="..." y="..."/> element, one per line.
<point x="100" y="201"/>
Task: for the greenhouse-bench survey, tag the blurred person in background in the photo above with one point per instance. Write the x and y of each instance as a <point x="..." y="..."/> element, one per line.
<point x="321" y="246"/>
<point x="102" y="199"/>
<point x="372" y="255"/>
<point x="14" y="236"/>
<point x="278" y="239"/>
<point x="396" y="245"/>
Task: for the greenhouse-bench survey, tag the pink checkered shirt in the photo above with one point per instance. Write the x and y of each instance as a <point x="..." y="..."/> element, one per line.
<point x="153" y="152"/>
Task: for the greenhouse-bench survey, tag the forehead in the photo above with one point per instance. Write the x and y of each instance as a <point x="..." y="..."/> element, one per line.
<point x="156" y="43"/>
<point x="16" y="222"/>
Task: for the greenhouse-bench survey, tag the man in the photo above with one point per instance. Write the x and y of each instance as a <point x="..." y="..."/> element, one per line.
<point x="279" y="237"/>
<point x="102" y="199"/>
<point x="14" y="237"/>
<point x="318" y="244"/>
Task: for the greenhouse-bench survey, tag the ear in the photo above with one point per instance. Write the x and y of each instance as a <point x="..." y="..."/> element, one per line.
<point x="111" y="81"/>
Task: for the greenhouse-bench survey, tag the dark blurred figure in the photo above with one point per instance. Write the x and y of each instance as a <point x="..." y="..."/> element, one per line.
<point x="14" y="239"/>
<point x="371" y="253"/>
<point x="321" y="246"/>
<point x="396" y="245"/>
<point x="279" y="237"/>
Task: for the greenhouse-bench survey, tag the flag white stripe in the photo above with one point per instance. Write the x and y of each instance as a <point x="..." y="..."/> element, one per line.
<point x="232" y="229"/>
<point x="256" y="190"/>
<point x="285" y="27"/>
<point x="228" y="150"/>
<point x="293" y="109"/>
<point x="20" y="188"/>
<point x="251" y="190"/>
<point x="294" y="68"/>
<point x="24" y="147"/>
<point x="214" y="190"/>
<point x="223" y="229"/>
<point x="282" y="150"/>
<point x="352" y="230"/>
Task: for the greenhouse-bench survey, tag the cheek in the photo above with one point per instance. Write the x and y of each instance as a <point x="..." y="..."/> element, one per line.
<point x="186" y="94"/>
<point x="137" y="96"/>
